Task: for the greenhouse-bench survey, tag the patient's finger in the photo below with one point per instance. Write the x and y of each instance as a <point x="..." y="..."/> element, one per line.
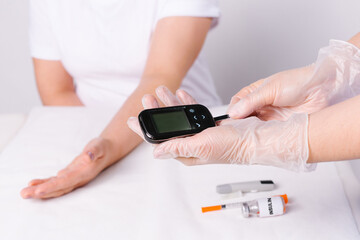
<point x="55" y="194"/>
<point x="28" y="192"/>
<point x="37" y="182"/>
<point x="57" y="184"/>
<point x="166" y="96"/>
<point x="184" y="97"/>
<point x="134" y="125"/>
<point x="149" y="101"/>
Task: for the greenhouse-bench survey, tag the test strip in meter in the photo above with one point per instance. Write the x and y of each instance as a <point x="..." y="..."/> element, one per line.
<point x="222" y="117"/>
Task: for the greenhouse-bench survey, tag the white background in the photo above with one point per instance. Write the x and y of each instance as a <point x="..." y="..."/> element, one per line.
<point x="255" y="38"/>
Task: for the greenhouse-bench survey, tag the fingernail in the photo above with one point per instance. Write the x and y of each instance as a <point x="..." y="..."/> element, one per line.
<point x="179" y="91"/>
<point x="234" y="110"/>
<point x="27" y="196"/>
<point x="231" y="111"/>
<point x="143" y="101"/>
<point x="160" y="89"/>
<point x="91" y="155"/>
<point x="155" y="103"/>
<point x="130" y="119"/>
<point x="235" y="100"/>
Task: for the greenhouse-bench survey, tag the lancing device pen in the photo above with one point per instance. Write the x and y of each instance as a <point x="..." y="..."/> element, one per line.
<point x="253" y="186"/>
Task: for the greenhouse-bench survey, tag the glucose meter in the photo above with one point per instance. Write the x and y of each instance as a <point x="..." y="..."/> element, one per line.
<point x="162" y="124"/>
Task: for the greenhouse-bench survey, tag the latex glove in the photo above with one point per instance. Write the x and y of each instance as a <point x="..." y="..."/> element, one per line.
<point x="333" y="78"/>
<point x="83" y="169"/>
<point x="247" y="141"/>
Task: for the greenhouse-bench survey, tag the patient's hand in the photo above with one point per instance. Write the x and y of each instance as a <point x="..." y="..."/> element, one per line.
<point x="82" y="170"/>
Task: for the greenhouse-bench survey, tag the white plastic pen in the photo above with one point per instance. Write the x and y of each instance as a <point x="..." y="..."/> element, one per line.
<point x="252" y="186"/>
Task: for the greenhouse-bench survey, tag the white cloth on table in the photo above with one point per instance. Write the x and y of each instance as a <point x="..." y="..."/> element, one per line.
<point x="9" y="125"/>
<point x="144" y="198"/>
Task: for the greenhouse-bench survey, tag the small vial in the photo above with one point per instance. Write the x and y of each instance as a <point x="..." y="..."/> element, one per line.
<point x="264" y="207"/>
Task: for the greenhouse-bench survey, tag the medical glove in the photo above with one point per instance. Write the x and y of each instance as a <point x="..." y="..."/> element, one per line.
<point x="249" y="141"/>
<point x="333" y="78"/>
<point x="244" y="141"/>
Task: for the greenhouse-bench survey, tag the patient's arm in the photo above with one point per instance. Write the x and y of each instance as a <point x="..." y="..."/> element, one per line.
<point x="176" y="43"/>
<point x="54" y="83"/>
<point x="334" y="132"/>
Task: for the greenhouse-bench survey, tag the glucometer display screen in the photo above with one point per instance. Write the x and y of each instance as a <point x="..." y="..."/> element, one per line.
<point x="171" y="121"/>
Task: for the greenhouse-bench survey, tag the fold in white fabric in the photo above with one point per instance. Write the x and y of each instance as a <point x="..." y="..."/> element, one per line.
<point x="144" y="198"/>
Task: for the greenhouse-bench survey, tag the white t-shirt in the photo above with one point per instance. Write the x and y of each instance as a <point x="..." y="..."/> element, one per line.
<point x="104" y="44"/>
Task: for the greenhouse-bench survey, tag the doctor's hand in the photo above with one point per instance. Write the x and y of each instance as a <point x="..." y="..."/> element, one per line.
<point x="333" y="78"/>
<point x="277" y="97"/>
<point x="82" y="170"/>
<point x="247" y="141"/>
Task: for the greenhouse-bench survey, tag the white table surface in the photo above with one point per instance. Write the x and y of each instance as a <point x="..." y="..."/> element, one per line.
<point x="10" y="124"/>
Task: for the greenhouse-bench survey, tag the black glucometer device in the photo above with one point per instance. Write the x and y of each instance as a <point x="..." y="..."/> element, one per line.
<point x="162" y="124"/>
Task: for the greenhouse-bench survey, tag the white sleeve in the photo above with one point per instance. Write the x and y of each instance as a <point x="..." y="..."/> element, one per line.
<point x="43" y="44"/>
<point x="193" y="8"/>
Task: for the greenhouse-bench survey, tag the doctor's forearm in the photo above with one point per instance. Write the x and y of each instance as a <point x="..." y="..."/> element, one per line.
<point x="334" y="132"/>
<point x="355" y="40"/>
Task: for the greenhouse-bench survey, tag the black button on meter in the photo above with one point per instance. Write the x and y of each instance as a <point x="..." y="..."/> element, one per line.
<point x="161" y="124"/>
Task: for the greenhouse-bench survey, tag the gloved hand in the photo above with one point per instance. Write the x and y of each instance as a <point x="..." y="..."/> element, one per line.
<point x="245" y="141"/>
<point x="82" y="170"/>
<point x="333" y="78"/>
